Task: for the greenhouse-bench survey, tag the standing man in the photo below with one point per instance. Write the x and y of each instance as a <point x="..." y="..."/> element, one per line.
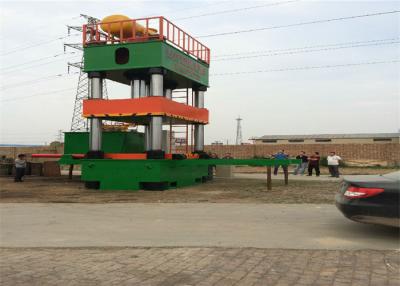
<point x="313" y="163"/>
<point x="303" y="165"/>
<point x="333" y="164"/>
<point x="20" y="165"/>
<point x="280" y="156"/>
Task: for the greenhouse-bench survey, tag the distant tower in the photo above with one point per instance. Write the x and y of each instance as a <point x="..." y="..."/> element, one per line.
<point x="60" y="136"/>
<point x="239" y="138"/>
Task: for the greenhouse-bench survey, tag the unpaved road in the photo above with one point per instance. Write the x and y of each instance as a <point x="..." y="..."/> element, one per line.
<point x="306" y="226"/>
<point x="62" y="190"/>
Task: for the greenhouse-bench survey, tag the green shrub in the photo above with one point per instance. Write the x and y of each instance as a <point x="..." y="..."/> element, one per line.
<point x="323" y="161"/>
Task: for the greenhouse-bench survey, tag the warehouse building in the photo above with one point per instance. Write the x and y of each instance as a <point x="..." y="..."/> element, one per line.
<point x="366" y="138"/>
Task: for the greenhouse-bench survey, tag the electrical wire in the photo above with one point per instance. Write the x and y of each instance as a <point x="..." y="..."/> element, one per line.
<point x="39" y="65"/>
<point x="174" y="11"/>
<point x="305" y="51"/>
<point x="37" y="80"/>
<point x="38" y="94"/>
<point x="309" y="67"/>
<point x="15" y="50"/>
<point x="307" y="47"/>
<point x="300" y="24"/>
<point x="37" y="60"/>
<point x="235" y="10"/>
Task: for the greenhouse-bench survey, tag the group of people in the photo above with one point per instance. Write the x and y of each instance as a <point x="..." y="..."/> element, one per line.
<point x="310" y="163"/>
<point x="307" y="162"/>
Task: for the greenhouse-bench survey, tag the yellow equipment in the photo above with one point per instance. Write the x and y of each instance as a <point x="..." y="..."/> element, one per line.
<point x="112" y="25"/>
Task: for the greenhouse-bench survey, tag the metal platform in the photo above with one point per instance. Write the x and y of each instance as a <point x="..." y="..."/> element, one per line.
<point x="139" y="110"/>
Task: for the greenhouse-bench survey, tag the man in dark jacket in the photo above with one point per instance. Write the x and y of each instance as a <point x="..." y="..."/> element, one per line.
<point x="313" y="163"/>
<point x="303" y="165"/>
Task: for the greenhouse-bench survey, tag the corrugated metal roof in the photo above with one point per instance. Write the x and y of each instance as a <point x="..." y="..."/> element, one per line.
<point x="329" y="136"/>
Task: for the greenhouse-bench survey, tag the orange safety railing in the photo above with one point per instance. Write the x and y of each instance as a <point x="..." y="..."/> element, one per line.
<point x="152" y="28"/>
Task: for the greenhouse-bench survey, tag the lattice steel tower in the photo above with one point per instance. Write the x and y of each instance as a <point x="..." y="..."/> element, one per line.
<point x="79" y="123"/>
<point x="239" y="138"/>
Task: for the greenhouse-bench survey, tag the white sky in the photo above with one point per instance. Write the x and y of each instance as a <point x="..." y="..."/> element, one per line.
<point x="352" y="99"/>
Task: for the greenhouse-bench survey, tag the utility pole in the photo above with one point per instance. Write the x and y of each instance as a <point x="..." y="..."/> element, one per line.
<point x="239" y="138"/>
<point x="60" y="136"/>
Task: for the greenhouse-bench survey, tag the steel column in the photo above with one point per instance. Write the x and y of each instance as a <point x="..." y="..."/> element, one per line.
<point x="156" y="84"/>
<point x="96" y="92"/>
<point x="147" y="93"/>
<point x="199" y="128"/>
<point x="135" y="88"/>
<point x="157" y="89"/>
<point x="142" y="92"/>
<point x="168" y="93"/>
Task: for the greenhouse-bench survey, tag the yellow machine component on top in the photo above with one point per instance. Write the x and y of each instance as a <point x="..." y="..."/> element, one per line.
<point x="115" y="28"/>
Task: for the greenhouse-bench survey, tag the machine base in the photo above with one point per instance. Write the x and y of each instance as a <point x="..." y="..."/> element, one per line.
<point x="133" y="175"/>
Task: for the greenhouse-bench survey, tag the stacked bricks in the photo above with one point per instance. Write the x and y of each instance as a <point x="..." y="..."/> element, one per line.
<point x="385" y="152"/>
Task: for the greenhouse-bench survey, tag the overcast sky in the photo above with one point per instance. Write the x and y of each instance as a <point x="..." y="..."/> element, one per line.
<point x="286" y="97"/>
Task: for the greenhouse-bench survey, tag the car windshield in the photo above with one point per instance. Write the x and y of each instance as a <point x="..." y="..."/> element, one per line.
<point x="393" y="176"/>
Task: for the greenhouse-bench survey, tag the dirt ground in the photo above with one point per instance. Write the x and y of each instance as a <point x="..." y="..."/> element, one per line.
<point x="324" y="170"/>
<point x="62" y="190"/>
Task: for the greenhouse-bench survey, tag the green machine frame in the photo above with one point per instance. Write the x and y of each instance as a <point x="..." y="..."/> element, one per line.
<point x="124" y="58"/>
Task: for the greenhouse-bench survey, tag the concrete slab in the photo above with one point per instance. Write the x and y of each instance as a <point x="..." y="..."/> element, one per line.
<point x="226" y="225"/>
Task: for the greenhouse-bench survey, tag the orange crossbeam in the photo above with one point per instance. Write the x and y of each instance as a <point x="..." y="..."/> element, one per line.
<point x="131" y="156"/>
<point x="153" y="105"/>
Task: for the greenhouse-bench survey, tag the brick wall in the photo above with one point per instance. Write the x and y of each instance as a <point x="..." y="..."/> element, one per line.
<point x="382" y="153"/>
<point x="386" y="154"/>
<point x="12" y="152"/>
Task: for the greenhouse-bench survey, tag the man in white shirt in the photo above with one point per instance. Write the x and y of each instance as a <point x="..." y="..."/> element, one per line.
<point x="333" y="164"/>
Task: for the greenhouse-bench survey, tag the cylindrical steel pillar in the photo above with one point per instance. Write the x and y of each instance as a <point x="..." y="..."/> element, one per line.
<point x="168" y="93"/>
<point x="155" y="129"/>
<point x="156" y="84"/>
<point x="147" y="139"/>
<point x="169" y="87"/>
<point x="156" y="133"/>
<point x="142" y="92"/>
<point x="135" y="88"/>
<point x="96" y="92"/>
<point x="199" y="128"/>
<point x="147" y="89"/>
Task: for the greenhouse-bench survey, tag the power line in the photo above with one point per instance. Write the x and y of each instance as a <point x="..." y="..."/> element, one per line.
<point x="300" y="24"/>
<point x="174" y="11"/>
<point x="309" y="67"/>
<point x="38" y="28"/>
<point x="38" y="65"/>
<point x="308" y="47"/>
<point x="37" y="60"/>
<point x="15" y="50"/>
<point x="37" y="80"/>
<point x="37" y="94"/>
<point x="236" y="10"/>
<point x="305" y="51"/>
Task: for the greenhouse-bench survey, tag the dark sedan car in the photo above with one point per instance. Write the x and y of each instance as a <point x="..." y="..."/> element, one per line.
<point x="371" y="199"/>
